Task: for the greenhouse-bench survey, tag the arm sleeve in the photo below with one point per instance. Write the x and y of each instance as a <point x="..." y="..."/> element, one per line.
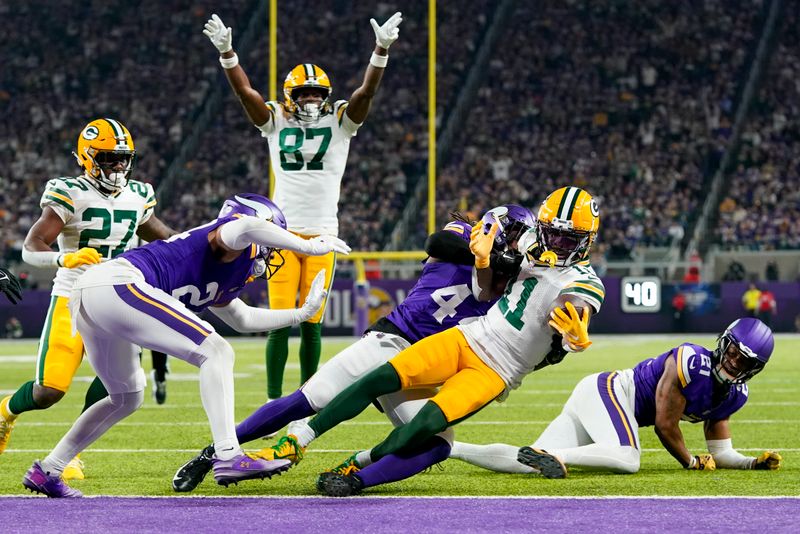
<point x="149" y="204"/>
<point x="269" y="126"/>
<point x="39" y="258"/>
<point x="57" y="197"/>
<point x="344" y="120"/>
<point x="726" y="456"/>
<point x="447" y="246"/>
<point x="241" y="233"/>
<point x="244" y="318"/>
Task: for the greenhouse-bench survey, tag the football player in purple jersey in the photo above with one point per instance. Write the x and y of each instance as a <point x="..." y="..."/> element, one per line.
<point x="599" y="425"/>
<point x="150" y="297"/>
<point x="441" y="298"/>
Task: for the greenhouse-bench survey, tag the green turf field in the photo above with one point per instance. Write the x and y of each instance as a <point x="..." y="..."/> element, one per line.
<point x="140" y="455"/>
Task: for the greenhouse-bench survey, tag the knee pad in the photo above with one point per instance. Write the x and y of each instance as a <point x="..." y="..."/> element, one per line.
<point x="127" y="402"/>
<point x="214" y="346"/>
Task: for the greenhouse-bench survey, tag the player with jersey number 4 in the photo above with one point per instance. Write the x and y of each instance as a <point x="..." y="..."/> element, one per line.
<point x="149" y="297"/>
<point x="309" y="137"/>
<point x="94" y="216"/>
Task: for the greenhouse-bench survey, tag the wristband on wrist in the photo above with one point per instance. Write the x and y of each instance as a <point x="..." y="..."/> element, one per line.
<point x="229" y="62"/>
<point x="481" y="263"/>
<point x="692" y="463"/>
<point x="378" y="61"/>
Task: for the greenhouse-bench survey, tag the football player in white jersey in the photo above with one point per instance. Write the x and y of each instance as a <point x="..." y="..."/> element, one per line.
<point x="309" y="140"/>
<point x="476" y="363"/>
<point x="93" y="217"/>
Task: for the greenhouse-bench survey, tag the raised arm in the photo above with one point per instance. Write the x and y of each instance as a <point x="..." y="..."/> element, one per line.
<point x="240" y="234"/>
<point x="252" y="101"/>
<point x="361" y="99"/>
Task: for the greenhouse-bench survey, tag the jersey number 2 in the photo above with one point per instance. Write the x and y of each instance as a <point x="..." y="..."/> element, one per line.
<point x="293" y="149"/>
<point x="104" y="231"/>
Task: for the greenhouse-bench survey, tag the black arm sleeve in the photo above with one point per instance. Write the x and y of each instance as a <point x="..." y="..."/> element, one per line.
<point x="446" y="246"/>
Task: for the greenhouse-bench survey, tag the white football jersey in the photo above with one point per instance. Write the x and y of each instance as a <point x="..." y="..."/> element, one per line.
<point x="514" y="336"/>
<point x="106" y="223"/>
<point x="308" y="159"/>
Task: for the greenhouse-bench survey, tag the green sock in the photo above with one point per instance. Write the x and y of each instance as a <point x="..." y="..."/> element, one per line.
<point x="428" y="422"/>
<point x="22" y="401"/>
<point x="97" y="391"/>
<point x="310" y="348"/>
<point x="355" y="398"/>
<point x="277" y="353"/>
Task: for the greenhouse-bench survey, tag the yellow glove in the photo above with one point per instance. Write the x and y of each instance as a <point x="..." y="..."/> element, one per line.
<point x="481" y="244"/>
<point x="84" y="256"/>
<point x="769" y="460"/>
<point x="703" y="462"/>
<point x="573" y="327"/>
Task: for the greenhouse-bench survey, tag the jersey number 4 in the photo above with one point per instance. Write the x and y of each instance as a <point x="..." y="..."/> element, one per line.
<point x="291" y="141"/>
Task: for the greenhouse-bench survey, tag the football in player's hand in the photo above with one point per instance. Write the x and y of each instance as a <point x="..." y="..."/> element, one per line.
<point x="561" y="302"/>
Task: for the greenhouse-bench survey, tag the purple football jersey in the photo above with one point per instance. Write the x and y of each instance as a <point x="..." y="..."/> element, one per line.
<point x="441" y="298"/>
<point x="704" y="398"/>
<point x="185" y="267"/>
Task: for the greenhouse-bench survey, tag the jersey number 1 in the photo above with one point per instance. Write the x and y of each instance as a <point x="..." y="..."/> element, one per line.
<point x="515" y="316"/>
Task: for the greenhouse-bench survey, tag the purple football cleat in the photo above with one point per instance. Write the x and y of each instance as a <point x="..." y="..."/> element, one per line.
<point x="246" y="467"/>
<point x="40" y="481"/>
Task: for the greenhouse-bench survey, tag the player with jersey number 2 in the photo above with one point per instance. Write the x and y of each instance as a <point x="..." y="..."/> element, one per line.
<point x="94" y="216"/>
<point x="150" y="297"/>
<point x="309" y="139"/>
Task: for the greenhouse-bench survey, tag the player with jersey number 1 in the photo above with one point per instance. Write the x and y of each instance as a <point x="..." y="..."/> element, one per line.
<point x="95" y="216"/>
<point x="150" y="297"/>
<point x="309" y="139"/>
<point x="476" y="363"/>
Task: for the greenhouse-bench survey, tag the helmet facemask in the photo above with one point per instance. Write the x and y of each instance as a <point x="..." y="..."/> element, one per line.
<point x="105" y="162"/>
<point x="310" y="111"/>
<point x="733" y="361"/>
<point x="570" y="245"/>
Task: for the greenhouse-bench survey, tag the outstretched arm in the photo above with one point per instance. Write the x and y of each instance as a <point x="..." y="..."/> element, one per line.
<point x="252" y="101"/>
<point x="244" y="231"/>
<point x="361" y="99"/>
<point x="718" y="438"/>
<point x="244" y="318"/>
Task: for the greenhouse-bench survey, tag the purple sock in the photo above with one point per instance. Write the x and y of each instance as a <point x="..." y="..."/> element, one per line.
<point x="402" y="465"/>
<point x="273" y="416"/>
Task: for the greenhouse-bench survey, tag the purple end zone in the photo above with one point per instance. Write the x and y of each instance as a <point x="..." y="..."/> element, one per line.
<point x="397" y="514"/>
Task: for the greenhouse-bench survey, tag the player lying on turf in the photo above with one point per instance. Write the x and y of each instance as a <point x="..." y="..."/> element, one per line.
<point x="150" y="297"/>
<point x="475" y="363"/>
<point x="441" y="298"/>
<point x="599" y="425"/>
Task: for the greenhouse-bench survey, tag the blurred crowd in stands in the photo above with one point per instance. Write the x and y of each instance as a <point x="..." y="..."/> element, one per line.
<point x="633" y="101"/>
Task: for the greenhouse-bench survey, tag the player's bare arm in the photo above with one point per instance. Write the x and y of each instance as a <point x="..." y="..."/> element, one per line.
<point x="37" y="251"/>
<point x="154" y="229"/>
<point x="361" y="99"/>
<point x="670" y="404"/>
<point x="252" y="101"/>
<point x="44" y="231"/>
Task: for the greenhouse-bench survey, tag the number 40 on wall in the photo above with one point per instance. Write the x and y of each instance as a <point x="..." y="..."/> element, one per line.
<point x="641" y="294"/>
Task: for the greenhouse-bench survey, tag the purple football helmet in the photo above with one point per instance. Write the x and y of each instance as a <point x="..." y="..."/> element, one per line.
<point x="463" y="229"/>
<point x="742" y="351"/>
<point x="513" y="219"/>
<point x="269" y="259"/>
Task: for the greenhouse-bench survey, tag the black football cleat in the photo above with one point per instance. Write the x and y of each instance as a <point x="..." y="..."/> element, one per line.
<point x="547" y="464"/>
<point x="335" y="485"/>
<point x="192" y="473"/>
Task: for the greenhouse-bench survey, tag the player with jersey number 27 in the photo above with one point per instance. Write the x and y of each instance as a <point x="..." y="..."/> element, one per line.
<point x="94" y="217"/>
<point x="309" y="139"/>
<point x="149" y="297"/>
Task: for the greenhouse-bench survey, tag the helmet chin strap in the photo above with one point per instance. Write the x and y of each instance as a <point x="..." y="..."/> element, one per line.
<point x="311" y="111"/>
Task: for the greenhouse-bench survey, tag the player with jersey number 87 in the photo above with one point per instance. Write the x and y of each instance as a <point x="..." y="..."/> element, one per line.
<point x="149" y="297"/>
<point x="309" y="140"/>
<point x="93" y="216"/>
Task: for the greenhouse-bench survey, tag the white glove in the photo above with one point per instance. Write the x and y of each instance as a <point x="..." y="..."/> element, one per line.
<point x="387" y="34"/>
<point x="317" y="246"/>
<point x="218" y="34"/>
<point x="316" y="296"/>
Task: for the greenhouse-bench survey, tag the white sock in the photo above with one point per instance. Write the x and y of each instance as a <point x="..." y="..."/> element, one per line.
<point x="216" y="392"/>
<point x="495" y="457"/>
<point x="304" y="434"/>
<point x="364" y="458"/>
<point x="89" y="426"/>
<point x="596" y="456"/>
